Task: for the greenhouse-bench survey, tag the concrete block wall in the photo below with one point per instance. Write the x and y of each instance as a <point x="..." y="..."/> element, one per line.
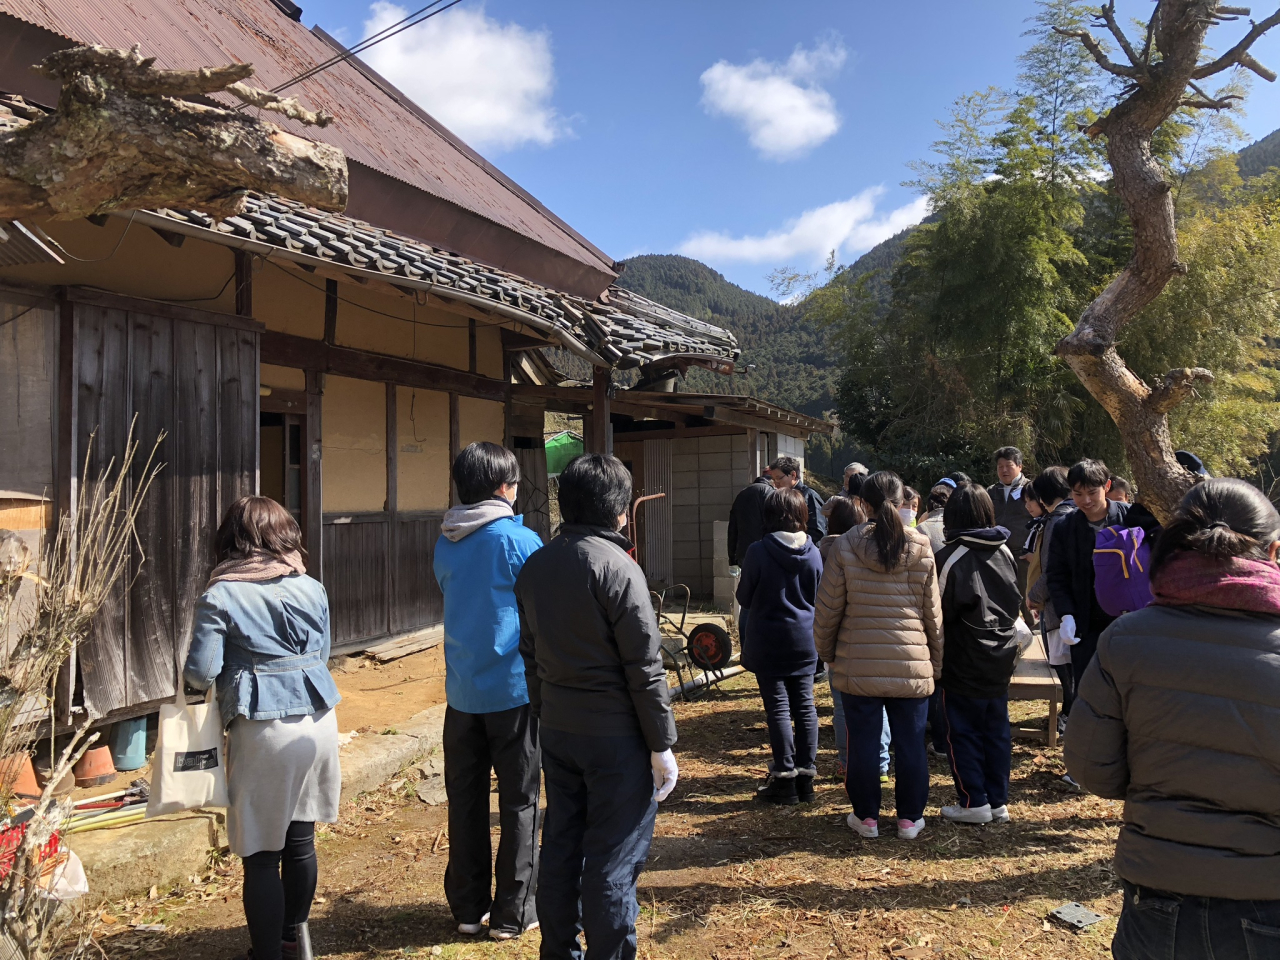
<point x="706" y="474"/>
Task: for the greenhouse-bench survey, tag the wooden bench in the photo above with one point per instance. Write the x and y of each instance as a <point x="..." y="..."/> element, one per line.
<point x="1034" y="679"/>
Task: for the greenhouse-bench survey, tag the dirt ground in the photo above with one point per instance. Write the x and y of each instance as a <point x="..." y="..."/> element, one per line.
<point x="377" y="696"/>
<point x="728" y="879"/>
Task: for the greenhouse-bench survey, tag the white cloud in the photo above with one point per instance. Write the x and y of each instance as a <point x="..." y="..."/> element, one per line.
<point x="847" y="227"/>
<point x="784" y="110"/>
<point x="488" y="82"/>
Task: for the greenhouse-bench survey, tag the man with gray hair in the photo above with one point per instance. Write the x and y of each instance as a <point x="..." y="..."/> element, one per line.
<point x="854" y="469"/>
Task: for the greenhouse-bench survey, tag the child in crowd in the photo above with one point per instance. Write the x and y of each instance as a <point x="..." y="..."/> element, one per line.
<point x="978" y="580"/>
<point x="1121" y="490"/>
<point x="910" y="506"/>
<point x="1054" y="496"/>
<point x="843" y="515"/>
<point x="593" y="663"/>
<point x="779" y="585"/>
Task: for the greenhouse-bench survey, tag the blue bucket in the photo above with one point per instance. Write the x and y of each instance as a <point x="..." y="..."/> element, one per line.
<point x="128" y="743"/>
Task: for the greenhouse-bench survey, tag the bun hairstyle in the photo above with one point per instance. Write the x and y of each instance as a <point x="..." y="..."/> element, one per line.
<point x="1223" y="519"/>
<point x="882" y="493"/>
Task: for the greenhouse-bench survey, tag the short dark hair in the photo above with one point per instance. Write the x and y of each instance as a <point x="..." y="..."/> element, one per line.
<point x="1051" y="484"/>
<point x="1012" y="454"/>
<point x="594" y="490"/>
<point x="1122" y="485"/>
<point x="855" y="483"/>
<point x="958" y="476"/>
<point x="969" y="508"/>
<point x="1088" y="473"/>
<point x="845" y="515"/>
<point x="482" y="468"/>
<point x="787" y="465"/>
<point x="786" y="511"/>
<point x="910" y="493"/>
<point x="939" y="494"/>
<point x="1220" y="518"/>
<point x="257" y="525"/>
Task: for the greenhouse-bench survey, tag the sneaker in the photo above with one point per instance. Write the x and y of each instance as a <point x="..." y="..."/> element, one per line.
<point x="958" y="814"/>
<point x="910" y="829"/>
<point x="1062" y="724"/>
<point x="884" y="778"/>
<point x="868" y="828"/>
<point x="1067" y="779"/>
<point x="780" y="790"/>
<point x="471" y="929"/>
<point x="934" y="751"/>
<point x="1000" y="814"/>
<point x="511" y="934"/>
<point x="804" y="787"/>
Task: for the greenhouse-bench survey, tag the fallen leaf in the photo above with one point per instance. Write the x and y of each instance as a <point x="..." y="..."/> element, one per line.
<point x="108" y="919"/>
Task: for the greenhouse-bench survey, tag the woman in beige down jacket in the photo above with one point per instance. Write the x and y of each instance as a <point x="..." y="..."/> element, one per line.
<point x="879" y="624"/>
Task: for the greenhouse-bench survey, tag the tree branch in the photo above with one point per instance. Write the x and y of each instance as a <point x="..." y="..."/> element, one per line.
<point x="1095" y="50"/>
<point x="1240" y="53"/>
<point x="1203" y="101"/>
<point x="1178" y="386"/>
<point x="1108" y="15"/>
<point x="265" y="100"/>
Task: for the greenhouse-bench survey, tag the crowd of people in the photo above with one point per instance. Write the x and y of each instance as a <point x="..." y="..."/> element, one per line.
<point x="916" y="606"/>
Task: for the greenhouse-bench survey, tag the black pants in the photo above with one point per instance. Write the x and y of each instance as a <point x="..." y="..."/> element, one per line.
<point x="474" y="743"/>
<point x="1067" y="677"/>
<point x="1082" y="655"/>
<point x="979" y="748"/>
<point x="1158" y="924"/>
<point x="787" y="701"/>
<point x="600" y="814"/>
<point x="279" y="886"/>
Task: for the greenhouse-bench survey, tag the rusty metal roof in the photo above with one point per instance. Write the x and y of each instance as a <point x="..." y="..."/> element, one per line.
<point x="376" y="125"/>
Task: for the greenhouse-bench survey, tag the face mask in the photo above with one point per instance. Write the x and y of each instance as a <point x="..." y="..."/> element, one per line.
<point x="907" y="515"/>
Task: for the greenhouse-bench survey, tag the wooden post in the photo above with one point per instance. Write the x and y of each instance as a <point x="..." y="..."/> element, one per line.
<point x="244" y="283"/>
<point x="455" y="440"/>
<point x="471" y="344"/>
<point x="753" y="452"/>
<point x="313" y="510"/>
<point x="393" y="523"/>
<point x="598" y="435"/>
<point x="330" y="311"/>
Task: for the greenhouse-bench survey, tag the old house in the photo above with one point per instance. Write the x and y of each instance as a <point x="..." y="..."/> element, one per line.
<point x="333" y="362"/>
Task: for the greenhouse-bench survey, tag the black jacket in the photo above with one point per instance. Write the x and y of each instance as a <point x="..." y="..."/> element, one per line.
<point x="1038" y="592"/>
<point x="746" y="518"/>
<point x="779" y="586"/>
<point x="817" y="528"/>
<point x="980" y="602"/>
<point x="590" y="639"/>
<point x="1011" y="512"/>
<point x="1068" y="570"/>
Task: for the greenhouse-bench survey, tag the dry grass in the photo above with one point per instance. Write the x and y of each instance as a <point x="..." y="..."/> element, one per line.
<point x="727" y="878"/>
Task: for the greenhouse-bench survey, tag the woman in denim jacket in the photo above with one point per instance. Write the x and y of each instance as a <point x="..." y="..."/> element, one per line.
<point x="261" y="633"/>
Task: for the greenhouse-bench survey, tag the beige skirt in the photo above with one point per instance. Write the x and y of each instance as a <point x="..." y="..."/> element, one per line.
<point x="279" y="771"/>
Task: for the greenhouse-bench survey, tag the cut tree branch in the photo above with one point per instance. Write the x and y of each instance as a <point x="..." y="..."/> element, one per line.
<point x="124" y="138"/>
<point x="1178" y="386"/>
<point x="1095" y="49"/>
<point x="1240" y="53"/>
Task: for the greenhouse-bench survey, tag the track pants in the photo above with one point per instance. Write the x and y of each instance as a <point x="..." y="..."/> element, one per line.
<point x="979" y="745"/>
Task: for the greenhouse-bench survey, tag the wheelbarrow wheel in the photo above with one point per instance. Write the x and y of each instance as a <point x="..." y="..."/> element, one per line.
<point x="710" y="646"/>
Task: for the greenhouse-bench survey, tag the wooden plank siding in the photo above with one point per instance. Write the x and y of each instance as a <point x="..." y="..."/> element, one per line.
<point x="197" y="380"/>
<point x="418" y="600"/>
<point x="355" y="577"/>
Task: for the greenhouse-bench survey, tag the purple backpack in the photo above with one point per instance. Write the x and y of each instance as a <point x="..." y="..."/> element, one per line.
<point x="1121" y="561"/>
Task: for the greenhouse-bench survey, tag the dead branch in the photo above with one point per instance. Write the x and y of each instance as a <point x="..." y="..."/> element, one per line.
<point x="123" y="138"/>
<point x="1178" y="386"/>
<point x="1240" y="52"/>
<point x="1099" y="55"/>
<point x="1108" y="15"/>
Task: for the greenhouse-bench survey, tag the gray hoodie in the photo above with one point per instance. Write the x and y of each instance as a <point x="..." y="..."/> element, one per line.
<point x="467" y="518"/>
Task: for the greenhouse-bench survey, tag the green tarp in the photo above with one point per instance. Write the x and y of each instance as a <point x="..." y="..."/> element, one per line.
<point x="562" y="448"/>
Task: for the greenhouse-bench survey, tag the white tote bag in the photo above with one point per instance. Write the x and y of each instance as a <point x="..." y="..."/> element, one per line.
<point x="189" y="770"/>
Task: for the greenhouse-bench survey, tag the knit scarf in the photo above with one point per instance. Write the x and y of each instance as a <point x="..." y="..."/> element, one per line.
<point x="257" y="567"/>
<point x="1192" y="579"/>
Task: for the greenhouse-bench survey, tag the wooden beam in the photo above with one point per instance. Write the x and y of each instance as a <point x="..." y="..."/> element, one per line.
<point x="726" y="430"/>
<point x="330" y="311"/>
<point x="244" y="283"/>
<point x="598" y="442"/>
<point x="158" y="308"/>
<point x="313" y="517"/>
<point x="391" y="507"/>
<point x="66" y="469"/>
<point x="288" y="350"/>
<point x="471" y="344"/>
<point x="455" y="445"/>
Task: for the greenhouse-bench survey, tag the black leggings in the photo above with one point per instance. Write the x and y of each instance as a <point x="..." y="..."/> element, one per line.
<point x="278" y="888"/>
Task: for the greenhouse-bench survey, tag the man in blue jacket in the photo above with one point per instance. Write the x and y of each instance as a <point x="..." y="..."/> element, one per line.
<point x="487" y="724"/>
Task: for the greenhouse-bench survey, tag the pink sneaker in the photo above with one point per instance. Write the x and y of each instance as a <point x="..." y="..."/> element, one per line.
<point x="868" y="828"/>
<point x="910" y="829"/>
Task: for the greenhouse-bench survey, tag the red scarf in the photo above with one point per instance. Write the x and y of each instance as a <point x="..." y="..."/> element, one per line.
<point x="1192" y="579"/>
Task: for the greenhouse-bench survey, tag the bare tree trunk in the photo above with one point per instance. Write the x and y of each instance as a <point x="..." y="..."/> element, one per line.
<point x="122" y="138"/>
<point x="1162" y="77"/>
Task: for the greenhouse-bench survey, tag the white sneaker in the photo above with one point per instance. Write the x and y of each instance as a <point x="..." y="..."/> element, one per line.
<point x="509" y="935"/>
<point x="1000" y="814"/>
<point x="909" y="830"/>
<point x="868" y="828"/>
<point x="471" y="929"/>
<point x="959" y="814"/>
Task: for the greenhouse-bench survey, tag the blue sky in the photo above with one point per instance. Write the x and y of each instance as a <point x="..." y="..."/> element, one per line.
<point x="750" y="135"/>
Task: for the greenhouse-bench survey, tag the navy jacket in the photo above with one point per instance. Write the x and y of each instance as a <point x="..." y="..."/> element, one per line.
<point x="980" y="603"/>
<point x="746" y="518"/>
<point x="779" y="585"/>
<point x="817" y="522"/>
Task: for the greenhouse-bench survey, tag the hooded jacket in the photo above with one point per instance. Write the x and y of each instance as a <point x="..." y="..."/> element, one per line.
<point x="931" y="527"/>
<point x="1038" y="592"/>
<point x="746" y="518"/>
<point x="817" y="528"/>
<point x="480" y="553"/>
<point x="980" y="602"/>
<point x="779" y="585"/>
<point x="590" y="641"/>
<point x="880" y="630"/>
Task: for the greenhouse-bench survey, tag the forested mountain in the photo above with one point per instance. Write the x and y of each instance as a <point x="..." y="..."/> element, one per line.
<point x="1258" y="157"/>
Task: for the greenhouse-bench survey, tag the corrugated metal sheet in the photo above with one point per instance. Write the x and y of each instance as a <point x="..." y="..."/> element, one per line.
<point x="19" y="245"/>
<point x="373" y="126"/>
<point x="657" y="513"/>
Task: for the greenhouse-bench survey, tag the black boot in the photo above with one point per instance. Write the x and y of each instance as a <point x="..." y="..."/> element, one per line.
<point x="780" y="790"/>
<point x="804" y="787"/>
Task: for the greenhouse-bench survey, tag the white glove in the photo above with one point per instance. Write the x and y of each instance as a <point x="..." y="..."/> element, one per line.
<point x="665" y="773"/>
<point x="1067" y="632"/>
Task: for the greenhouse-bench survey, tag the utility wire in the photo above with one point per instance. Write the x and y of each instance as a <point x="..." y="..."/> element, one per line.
<point x="412" y="20"/>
